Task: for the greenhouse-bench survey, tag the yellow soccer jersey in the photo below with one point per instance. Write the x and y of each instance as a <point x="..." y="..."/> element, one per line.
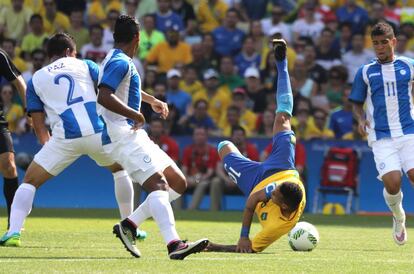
<point x="274" y="224"/>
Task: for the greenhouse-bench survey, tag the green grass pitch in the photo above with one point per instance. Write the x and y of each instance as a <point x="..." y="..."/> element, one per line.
<point x="81" y="241"/>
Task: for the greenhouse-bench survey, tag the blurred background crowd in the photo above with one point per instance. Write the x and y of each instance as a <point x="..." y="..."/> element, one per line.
<point x="211" y="61"/>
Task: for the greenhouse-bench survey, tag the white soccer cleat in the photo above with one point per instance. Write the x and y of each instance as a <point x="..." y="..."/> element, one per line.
<point x="399" y="233"/>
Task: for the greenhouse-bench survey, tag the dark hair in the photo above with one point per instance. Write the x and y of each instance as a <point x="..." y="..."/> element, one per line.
<point x="382" y="29"/>
<point x="58" y="43"/>
<point x="35" y="16"/>
<point x="77" y="9"/>
<point x="238" y="128"/>
<point x="10" y="40"/>
<point x="126" y="27"/>
<point x="37" y="51"/>
<point x="321" y="110"/>
<point x="292" y="195"/>
<point x="96" y="26"/>
<point x="233" y="10"/>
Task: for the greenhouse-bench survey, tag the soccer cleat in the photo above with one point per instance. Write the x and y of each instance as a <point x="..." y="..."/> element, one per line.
<point x="127" y="237"/>
<point x="399" y="233"/>
<point x="12" y="240"/>
<point x="141" y="235"/>
<point x="178" y="250"/>
<point x="279" y="49"/>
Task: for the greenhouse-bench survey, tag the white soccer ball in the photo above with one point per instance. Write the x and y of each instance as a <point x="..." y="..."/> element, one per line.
<point x="303" y="237"/>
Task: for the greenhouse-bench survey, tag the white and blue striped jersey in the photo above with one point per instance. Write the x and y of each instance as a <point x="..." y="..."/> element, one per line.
<point x="386" y="90"/>
<point x="65" y="90"/>
<point x="118" y="73"/>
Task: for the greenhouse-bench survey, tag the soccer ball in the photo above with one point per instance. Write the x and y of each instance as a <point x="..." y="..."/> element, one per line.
<point x="303" y="237"/>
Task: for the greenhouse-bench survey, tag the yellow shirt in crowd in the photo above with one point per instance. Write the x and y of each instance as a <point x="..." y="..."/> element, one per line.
<point x="60" y="23"/>
<point x="167" y="57"/>
<point x="210" y="17"/>
<point x="216" y="104"/>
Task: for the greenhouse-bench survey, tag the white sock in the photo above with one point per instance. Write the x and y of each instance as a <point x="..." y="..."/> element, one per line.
<point x="124" y="193"/>
<point x="21" y="207"/>
<point x="161" y="211"/>
<point x="394" y="203"/>
<point x="173" y="195"/>
<point x="140" y="214"/>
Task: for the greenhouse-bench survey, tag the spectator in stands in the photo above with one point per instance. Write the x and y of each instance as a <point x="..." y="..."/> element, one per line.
<point x="340" y="121"/>
<point x="186" y="12"/>
<point x="319" y="129"/>
<point x="255" y="10"/>
<point x="269" y="72"/>
<point x="210" y="14"/>
<point x="356" y="15"/>
<point x="165" y="18"/>
<point x="130" y="7"/>
<point x="9" y="46"/>
<point x="393" y="12"/>
<point x="357" y="56"/>
<point x="149" y="37"/>
<point x="316" y="71"/>
<point x="218" y="97"/>
<point x="98" y="11"/>
<point x="14" y="20"/>
<point x="138" y="8"/>
<point x="190" y="82"/>
<point x="95" y="50"/>
<point x="208" y="49"/>
<point x="38" y="58"/>
<point x="275" y="24"/>
<point x="170" y="53"/>
<point x="259" y="40"/>
<point x="345" y="37"/>
<point x="303" y="83"/>
<point x="166" y="143"/>
<point x="13" y="112"/>
<point x="326" y="54"/>
<point x="256" y="93"/>
<point x="159" y="92"/>
<point x="401" y="47"/>
<point x="354" y="135"/>
<point x="198" y="165"/>
<point x="335" y="88"/>
<point x="301" y="121"/>
<point x="228" y="38"/>
<point x="172" y="126"/>
<point x="198" y="117"/>
<point x="228" y="76"/>
<point x="34" y="39"/>
<point x="264" y="127"/>
<point x="149" y="80"/>
<point x="53" y="20"/>
<point x="200" y="63"/>
<point x="224" y="183"/>
<point x="307" y="26"/>
<point x="248" y="57"/>
<point x="109" y="29"/>
<point x="247" y="117"/>
<point x="77" y="28"/>
<point x="179" y="98"/>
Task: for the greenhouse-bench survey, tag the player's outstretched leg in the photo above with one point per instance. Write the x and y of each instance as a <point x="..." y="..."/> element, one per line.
<point x="126" y="232"/>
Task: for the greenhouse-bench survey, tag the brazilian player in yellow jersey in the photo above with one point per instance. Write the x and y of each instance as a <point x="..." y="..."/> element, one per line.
<point x="275" y="192"/>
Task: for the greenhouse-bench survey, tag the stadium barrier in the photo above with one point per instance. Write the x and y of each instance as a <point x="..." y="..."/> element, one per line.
<point x="85" y="185"/>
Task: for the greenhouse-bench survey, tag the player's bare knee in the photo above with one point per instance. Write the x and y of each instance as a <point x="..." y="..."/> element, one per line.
<point x="8" y="169"/>
<point x="156" y="182"/>
<point x="176" y="179"/>
<point x="115" y="167"/>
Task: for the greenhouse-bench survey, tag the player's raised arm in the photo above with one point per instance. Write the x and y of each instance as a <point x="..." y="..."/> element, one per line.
<point x="157" y="105"/>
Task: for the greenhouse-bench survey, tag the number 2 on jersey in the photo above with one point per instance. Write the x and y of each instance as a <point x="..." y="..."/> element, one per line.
<point x="70" y="100"/>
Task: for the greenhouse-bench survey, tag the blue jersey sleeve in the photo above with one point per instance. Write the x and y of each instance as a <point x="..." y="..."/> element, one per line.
<point x="93" y="69"/>
<point x="269" y="189"/>
<point x="113" y="73"/>
<point x="34" y="104"/>
<point x="359" y="88"/>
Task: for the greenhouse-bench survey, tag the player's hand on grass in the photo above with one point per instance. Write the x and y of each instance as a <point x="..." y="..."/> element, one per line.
<point x="160" y="107"/>
<point x="244" y="245"/>
<point x="363" y="125"/>
<point x="139" y="121"/>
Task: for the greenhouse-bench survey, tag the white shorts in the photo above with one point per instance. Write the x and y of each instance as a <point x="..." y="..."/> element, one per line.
<point x="393" y="154"/>
<point x="138" y="155"/>
<point x="57" y="154"/>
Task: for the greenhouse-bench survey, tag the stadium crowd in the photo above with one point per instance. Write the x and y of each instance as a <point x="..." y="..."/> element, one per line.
<point x="210" y="60"/>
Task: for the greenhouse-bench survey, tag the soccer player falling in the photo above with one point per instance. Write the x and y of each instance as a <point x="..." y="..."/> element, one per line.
<point x="385" y="87"/>
<point x="273" y="187"/>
